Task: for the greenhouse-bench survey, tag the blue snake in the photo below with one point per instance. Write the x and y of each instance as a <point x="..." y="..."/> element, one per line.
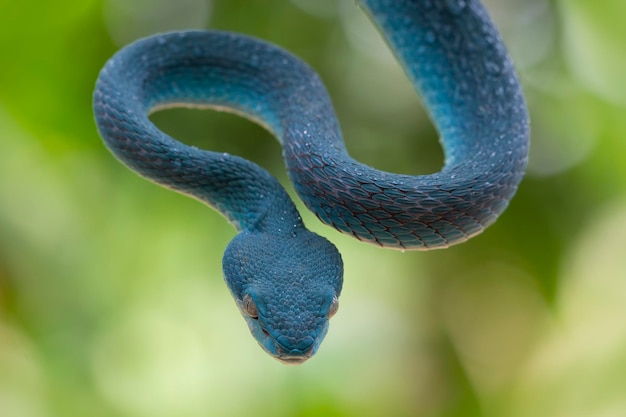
<point x="286" y="280"/>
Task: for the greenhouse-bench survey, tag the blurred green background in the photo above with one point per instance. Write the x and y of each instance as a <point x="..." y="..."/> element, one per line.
<point x="111" y="294"/>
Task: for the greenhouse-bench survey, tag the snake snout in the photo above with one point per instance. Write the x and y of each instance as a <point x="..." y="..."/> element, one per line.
<point x="304" y="350"/>
<point x="294" y="356"/>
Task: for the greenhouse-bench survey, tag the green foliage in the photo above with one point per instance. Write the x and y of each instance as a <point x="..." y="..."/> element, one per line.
<point x="111" y="296"/>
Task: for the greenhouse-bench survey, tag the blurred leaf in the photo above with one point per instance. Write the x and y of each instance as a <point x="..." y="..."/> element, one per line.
<point x="594" y="44"/>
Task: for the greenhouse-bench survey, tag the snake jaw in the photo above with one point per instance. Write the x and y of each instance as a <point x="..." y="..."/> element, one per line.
<point x="274" y="348"/>
<point x="295" y="357"/>
<point x="278" y="340"/>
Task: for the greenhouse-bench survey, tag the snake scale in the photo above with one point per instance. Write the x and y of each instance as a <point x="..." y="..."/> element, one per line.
<point x="285" y="279"/>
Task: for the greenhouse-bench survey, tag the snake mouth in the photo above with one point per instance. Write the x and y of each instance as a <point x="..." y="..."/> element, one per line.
<point x="292" y="360"/>
<point x="295" y="356"/>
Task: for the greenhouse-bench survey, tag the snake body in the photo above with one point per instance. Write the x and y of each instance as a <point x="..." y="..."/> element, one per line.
<point x="285" y="279"/>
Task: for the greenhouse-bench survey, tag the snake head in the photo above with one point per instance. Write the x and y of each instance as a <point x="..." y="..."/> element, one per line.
<point x="287" y="289"/>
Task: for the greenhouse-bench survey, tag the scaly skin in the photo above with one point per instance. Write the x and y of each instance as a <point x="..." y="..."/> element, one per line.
<point x="285" y="279"/>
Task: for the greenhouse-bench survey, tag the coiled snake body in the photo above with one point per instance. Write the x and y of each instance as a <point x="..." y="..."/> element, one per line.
<point x="285" y="279"/>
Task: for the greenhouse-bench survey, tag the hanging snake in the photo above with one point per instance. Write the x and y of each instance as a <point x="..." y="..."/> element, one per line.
<point x="285" y="279"/>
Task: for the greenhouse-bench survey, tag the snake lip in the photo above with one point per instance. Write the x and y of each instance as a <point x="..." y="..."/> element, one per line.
<point x="294" y="357"/>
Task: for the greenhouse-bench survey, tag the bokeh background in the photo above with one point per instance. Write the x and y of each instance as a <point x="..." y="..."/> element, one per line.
<point x="111" y="294"/>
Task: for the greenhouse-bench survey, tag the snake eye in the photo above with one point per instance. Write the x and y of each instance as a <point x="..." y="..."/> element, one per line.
<point x="334" y="306"/>
<point x="250" y="307"/>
